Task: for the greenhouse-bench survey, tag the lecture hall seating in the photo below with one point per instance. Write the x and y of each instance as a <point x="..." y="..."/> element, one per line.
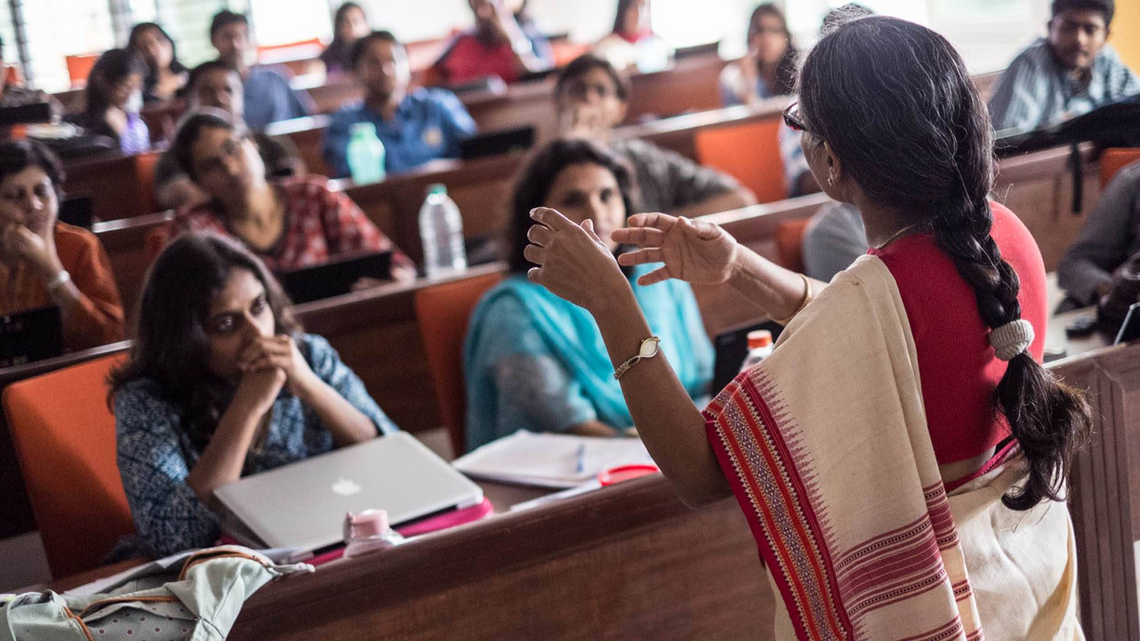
<point x="71" y="474"/>
<point x="444" y="313"/>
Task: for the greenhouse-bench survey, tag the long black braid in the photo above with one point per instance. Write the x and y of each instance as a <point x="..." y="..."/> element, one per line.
<point x="896" y="104"/>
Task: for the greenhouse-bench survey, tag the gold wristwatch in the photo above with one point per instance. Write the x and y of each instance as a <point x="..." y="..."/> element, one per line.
<point x="649" y="348"/>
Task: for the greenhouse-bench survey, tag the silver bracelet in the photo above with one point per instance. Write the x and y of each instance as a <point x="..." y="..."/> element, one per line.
<point x="61" y="279"/>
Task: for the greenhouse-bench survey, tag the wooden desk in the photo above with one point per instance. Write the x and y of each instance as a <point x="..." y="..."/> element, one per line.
<point x="625" y="562"/>
<point x="110" y="180"/>
<point x="1038" y="187"/>
<point x="1105" y="494"/>
<point x="125" y="242"/>
<point x="308" y="134"/>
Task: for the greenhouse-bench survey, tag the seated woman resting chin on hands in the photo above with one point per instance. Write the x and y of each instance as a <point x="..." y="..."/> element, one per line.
<point x="901" y="457"/>
<point x="534" y="361"/>
<point x="46" y="262"/>
<point x="221" y="384"/>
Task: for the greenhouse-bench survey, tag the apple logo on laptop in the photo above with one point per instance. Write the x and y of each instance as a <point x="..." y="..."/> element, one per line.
<point x="345" y="487"/>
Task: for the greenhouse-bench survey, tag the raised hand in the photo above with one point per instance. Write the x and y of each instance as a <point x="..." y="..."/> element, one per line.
<point x="692" y="250"/>
<point x="572" y="262"/>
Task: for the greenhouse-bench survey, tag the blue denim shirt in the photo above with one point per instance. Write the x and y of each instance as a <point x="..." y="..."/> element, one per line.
<point x="269" y="98"/>
<point x="429" y="124"/>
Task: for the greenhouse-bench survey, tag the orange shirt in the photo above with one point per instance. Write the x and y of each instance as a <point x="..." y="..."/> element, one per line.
<point x="98" y="317"/>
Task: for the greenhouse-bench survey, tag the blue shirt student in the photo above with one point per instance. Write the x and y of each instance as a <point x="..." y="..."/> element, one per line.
<point x="1035" y="91"/>
<point x="269" y="99"/>
<point x="429" y="124"/>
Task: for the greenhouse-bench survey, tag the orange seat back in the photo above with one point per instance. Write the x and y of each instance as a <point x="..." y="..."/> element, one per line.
<point x="790" y="244"/>
<point x="64" y="434"/>
<point x="749" y="152"/>
<point x="1113" y="160"/>
<point x="444" y="312"/>
<point x="79" y="67"/>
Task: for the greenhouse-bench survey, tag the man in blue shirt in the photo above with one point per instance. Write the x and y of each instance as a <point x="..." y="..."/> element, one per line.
<point x="415" y="127"/>
<point x="1071" y="72"/>
<point x="268" y="96"/>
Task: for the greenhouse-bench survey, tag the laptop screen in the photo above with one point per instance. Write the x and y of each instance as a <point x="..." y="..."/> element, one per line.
<point x="29" y="336"/>
<point x="335" y="277"/>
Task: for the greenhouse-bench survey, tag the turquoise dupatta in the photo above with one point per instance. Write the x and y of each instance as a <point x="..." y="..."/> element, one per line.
<point x="569" y="334"/>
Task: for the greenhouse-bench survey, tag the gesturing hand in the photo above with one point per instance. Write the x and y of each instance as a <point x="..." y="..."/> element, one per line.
<point x="692" y="250"/>
<point x="573" y="262"/>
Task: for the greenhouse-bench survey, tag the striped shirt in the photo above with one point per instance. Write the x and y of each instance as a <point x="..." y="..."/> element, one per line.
<point x="1036" y="92"/>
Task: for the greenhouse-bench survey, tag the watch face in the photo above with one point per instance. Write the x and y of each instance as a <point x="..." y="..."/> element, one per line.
<point x="649" y="347"/>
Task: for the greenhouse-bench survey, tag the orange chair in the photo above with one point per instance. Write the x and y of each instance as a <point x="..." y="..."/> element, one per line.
<point x="64" y="435"/>
<point x="1113" y="160"/>
<point x="790" y="244"/>
<point x="750" y="153"/>
<point x="444" y="312"/>
<point x="79" y="67"/>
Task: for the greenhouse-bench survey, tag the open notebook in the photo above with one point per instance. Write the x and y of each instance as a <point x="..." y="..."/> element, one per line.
<point x="550" y="460"/>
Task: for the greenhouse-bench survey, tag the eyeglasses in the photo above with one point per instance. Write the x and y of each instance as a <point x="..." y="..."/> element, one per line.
<point x="792" y="118"/>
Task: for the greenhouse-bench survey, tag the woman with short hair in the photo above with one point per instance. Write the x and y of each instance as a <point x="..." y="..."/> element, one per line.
<point x="902" y="456"/>
<point x="46" y="262"/>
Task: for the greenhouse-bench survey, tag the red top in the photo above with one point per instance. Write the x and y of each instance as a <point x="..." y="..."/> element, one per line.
<point x="97" y="319"/>
<point x="319" y="224"/>
<point x="955" y="361"/>
<point x="470" y="59"/>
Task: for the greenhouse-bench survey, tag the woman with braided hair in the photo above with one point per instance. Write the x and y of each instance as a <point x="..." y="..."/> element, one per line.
<point x="902" y="456"/>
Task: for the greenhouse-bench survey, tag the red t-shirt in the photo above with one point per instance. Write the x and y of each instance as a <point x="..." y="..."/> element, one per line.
<point x="955" y="361"/>
<point x="470" y="59"/>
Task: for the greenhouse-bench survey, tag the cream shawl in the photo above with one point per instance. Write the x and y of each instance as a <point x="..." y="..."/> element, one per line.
<point x="826" y="447"/>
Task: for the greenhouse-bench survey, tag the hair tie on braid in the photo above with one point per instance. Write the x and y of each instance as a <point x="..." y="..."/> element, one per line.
<point x="1011" y="339"/>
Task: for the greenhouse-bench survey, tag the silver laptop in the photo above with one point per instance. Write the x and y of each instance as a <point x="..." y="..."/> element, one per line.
<point x="303" y="505"/>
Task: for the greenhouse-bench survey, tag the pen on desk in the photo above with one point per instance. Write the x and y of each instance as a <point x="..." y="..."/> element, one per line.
<point x="581" y="467"/>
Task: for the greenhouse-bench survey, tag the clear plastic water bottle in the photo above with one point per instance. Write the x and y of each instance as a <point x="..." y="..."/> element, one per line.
<point x="368" y="531"/>
<point x="441" y="233"/>
<point x="759" y="347"/>
<point x="365" y="154"/>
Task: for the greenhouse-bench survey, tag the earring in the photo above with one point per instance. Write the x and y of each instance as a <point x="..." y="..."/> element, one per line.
<point x="830" y="181"/>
